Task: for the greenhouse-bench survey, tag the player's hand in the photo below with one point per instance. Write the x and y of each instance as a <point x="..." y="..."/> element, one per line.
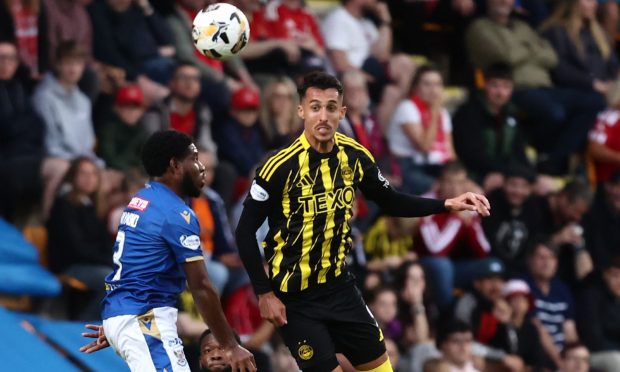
<point x="469" y="202"/>
<point x="100" y="343"/>
<point x="241" y="359"/>
<point x="272" y="309"/>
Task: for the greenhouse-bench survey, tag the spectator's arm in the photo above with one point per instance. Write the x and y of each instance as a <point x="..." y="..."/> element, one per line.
<point x="603" y="154"/>
<point x="565" y="73"/>
<point x="159" y="28"/>
<point x="340" y="61"/>
<point x="381" y="49"/>
<point x="487" y="46"/>
<point x="477" y="241"/>
<point x="54" y="140"/>
<point x="570" y="331"/>
<point x="547" y="343"/>
<point x="257" y="49"/>
<point x="422" y="138"/>
<point x="541" y="50"/>
<point x="261" y="336"/>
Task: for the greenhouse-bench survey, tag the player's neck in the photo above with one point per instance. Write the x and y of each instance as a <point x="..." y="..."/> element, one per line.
<point x="173" y="186"/>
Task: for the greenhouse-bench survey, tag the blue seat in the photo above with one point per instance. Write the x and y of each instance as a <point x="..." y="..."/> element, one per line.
<point x="23" y="351"/>
<point x="67" y="335"/>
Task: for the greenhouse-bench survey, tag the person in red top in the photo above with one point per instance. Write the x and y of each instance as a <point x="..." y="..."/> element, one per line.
<point x="450" y="243"/>
<point x="604" y="141"/>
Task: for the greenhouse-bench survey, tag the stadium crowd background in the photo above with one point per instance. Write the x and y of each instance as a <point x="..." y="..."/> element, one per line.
<point x="514" y="98"/>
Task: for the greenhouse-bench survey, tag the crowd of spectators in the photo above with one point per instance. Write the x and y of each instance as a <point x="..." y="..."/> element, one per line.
<point x="535" y="286"/>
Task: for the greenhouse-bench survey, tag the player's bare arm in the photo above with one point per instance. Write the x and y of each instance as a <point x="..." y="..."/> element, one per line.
<point x="207" y="303"/>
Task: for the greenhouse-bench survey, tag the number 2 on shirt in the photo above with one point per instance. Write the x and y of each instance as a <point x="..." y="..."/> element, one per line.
<point x="120" y="239"/>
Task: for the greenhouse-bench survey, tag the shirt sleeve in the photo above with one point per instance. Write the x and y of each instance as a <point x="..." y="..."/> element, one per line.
<point x="406" y="113"/>
<point x="182" y="233"/>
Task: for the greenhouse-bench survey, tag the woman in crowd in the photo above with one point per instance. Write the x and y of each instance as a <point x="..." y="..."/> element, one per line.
<point x="278" y="113"/>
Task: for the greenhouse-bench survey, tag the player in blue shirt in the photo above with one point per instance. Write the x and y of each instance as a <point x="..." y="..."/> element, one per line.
<point x="156" y="249"/>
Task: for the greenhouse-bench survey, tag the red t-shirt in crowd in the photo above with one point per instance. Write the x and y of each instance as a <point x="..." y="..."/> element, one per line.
<point x="183" y="123"/>
<point x="278" y="21"/>
<point x="607" y="133"/>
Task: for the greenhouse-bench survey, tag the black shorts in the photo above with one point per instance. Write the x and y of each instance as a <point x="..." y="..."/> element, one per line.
<point x="330" y="319"/>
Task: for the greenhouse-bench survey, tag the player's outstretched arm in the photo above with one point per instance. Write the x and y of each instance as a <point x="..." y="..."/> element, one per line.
<point x="208" y="304"/>
<point x="101" y="341"/>
<point x="469" y="202"/>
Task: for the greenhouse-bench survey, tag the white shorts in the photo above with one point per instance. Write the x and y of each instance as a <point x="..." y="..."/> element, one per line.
<point x="148" y="342"/>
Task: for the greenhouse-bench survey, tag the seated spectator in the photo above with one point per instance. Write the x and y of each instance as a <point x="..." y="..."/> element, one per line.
<point x="239" y="139"/>
<point x="437" y="365"/>
<point x="79" y="245"/>
<point x="22" y="153"/>
<point x="484" y="309"/>
<point x="24" y="23"/>
<point x="66" y="111"/>
<point x="278" y="113"/>
<point x="420" y="132"/>
<point x="455" y="340"/>
<point x="601" y="223"/>
<point x="291" y="20"/>
<point x="554" y="308"/>
<point x="576" y="358"/>
<point x="354" y="42"/>
<point x="604" y="139"/>
<point x="124" y="134"/>
<point x="516" y="218"/>
<point x="565" y="114"/>
<point x="487" y="135"/>
<point x="608" y="15"/>
<point x="598" y="311"/>
<point x="450" y="243"/>
<point x="586" y="60"/>
<point x="382" y="302"/>
<point x="562" y="218"/>
<point x="130" y="35"/>
<point x="524" y="338"/>
<point x="216" y="84"/>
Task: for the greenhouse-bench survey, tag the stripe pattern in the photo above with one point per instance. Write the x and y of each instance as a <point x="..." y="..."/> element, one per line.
<point x="309" y="234"/>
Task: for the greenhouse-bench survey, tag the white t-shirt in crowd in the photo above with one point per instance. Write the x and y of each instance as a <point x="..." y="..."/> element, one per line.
<point x="408" y="114"/>
<point x="354" y="36"/>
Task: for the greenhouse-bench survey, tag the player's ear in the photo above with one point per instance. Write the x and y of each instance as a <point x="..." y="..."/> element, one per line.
<point x="343" y="111"/>
<point x="175" y="165"/>
<point x="300" y="112"/>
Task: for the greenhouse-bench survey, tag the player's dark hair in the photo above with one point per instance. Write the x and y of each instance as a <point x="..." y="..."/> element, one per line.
<point x="207" y="332"/>
<point x="577" y="190"/>
<point x="320" y="80"/>
<point x="571" y="346"/>
<point x="498" y="70"/>
<point x="160" y="148"/>
<point x="421" y="71"/>
<point x="449" y="328"/>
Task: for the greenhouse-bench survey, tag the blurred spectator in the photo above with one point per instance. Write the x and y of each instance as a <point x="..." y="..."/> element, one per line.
<point x="437" y="365"/>
<point x="450" y="243"/>
<point x="585" y="58"/>
<point x="524" y="338"/>
<point x="239" y="139"/>
<point x="79" y="245"/>
<point x="516" y="218"/>
<point x="67" y="113"/>
<point x="290" y="20"/>
<point x="487" y="135"/>
<point x="217" y="85"/>
<point x="488" y="314"/>
<point x="601" y="223"/>
<point x="609" y="15"/>
<point x="455" y="340"/>
<point x="420" y="132"/>
<point x="565" y="114"/>
<point x="355" y="42"/>
<point x="130" y="35"/>
<point x="122" y="137"/>
<point x="392" y="351"/>
<point x="22" y="131"/>
<point x="25" y="23"/>
<point x="562" y="216"/>
<point x="554" y="308"/>
<point x="182" y="111"/>
<point x="604" y="141"/>
<point x="598" y="316"/>
<point x="278" y="113"/>
<point x="382" y="301"/>
<point x="576" y="358"/>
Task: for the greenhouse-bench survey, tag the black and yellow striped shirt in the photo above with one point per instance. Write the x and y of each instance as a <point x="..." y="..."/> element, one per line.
<point x="307" y="197"/>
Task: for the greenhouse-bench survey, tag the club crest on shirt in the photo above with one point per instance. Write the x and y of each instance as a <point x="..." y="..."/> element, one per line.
<point x="180" y="355"/>
<point x="347" y="173"/>
<point x="186" y="216"/>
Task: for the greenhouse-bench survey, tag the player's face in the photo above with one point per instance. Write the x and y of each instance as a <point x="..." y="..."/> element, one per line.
<point x="321" y="110"/>
<point x="212" y="356"/>
<point x="193" y="173"/>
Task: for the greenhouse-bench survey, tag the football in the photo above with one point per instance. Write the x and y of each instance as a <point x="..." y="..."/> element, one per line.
<point x="220" y="31"/>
